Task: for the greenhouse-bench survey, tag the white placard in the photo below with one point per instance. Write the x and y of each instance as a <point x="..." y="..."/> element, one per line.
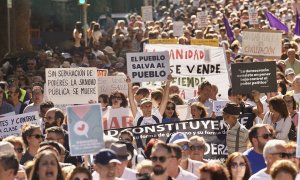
<point x="262" y="43"/>
<point x="117" y="118"/>
<point x="202" y="19"/>
<point x="148" y="66"/>
<point x="11" y="125"/>
<point x="147" y="13"/>
<point x="178" y="28"/>
<point x="191" y="65"/>
<point x="253" y="16"/>
<point x="108" y="84"/>
<point x="196" y="3"/>
<point x="71" y="85"/>
<point x="218" y="107"/>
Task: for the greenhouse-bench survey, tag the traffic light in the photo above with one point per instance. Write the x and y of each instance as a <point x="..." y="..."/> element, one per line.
<point x="82" y="1"/>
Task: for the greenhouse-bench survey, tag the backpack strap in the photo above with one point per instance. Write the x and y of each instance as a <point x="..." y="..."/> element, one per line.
<point x="140" y="120"/>
<point x="237" y="140"/>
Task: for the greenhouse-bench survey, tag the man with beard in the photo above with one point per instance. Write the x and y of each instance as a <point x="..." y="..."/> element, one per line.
<point x="160" y="157"/>
<point x="54" y="117"/>
<point x="259" y="135"/>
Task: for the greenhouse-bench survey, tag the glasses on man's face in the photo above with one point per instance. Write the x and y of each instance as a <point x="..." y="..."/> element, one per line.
<point x="266" y="136"/>
<point x="236" y="165"/>
<point x="125" y="139"/>
<point x="37" y="136"/>
<point x="161" y="159"/>
<point x="170" y="108"/>
<point x="185" y="147"/>
<point x="194" y="147"/>
<point x="19" y="150"/>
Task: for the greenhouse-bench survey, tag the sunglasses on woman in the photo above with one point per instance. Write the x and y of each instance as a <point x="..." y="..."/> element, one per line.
<point x="77" y="178"/>
<point x="170" y="108"/>
<point x="19" y="150"/>
<point x="116" y="97"/>
<point x="38" y="136"/>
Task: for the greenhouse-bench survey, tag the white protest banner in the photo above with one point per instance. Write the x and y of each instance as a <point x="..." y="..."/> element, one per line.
<point x="147" y="13"/>
<point x="11" y="125"/>
<point x="108" y="84"/>
<point x="148" y="66"/>
<point x="85" y="129"/>
<point x="253" y="16"/>
<point x="218" y="107"/>
<point x="117" y="118"/>
<point x="262" y="43"/>
<point x="202" y="19"/>
<point x="191" y="65"/>
<point x="196" y="3"/>
<point x="177" y="2"/>
<point x="178" y="28"/>
<point x="8" y="114"/>
<point x="71" y="85"/>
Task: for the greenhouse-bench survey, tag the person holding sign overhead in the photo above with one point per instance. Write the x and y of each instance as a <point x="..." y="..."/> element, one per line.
<point x="148" y="115"/>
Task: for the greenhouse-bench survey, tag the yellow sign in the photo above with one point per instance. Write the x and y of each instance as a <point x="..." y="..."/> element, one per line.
<point x="206" y="42"/>
<point x="162" y="41"/>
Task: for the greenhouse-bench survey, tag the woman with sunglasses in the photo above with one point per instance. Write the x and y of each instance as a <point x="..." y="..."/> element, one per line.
<point x="117" y="100"/>
<point x="17" y="142"/>
<point x="32" y="137"/>
<point x="292" y="108"/>
<point x="170" y="114"/>
<point x="80" y="173"/>
<point x="46" y="167"/>
<point x="278" y="117"/>
<point x="238" y="166"/>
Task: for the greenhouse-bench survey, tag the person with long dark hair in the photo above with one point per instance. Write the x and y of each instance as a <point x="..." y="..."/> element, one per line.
<point x="238" y="166"/>
<point x="170" y="114"/>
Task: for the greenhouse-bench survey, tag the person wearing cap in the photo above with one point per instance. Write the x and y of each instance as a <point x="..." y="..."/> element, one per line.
<point x="105" y="164"/>
<point x="292" y="62"/>
<point x="148" y="115"/>
<point x="289" y="74"/>
<point x="186" y="163"/>
<point x="237" y="134"/>
<point x="124" y="157"/>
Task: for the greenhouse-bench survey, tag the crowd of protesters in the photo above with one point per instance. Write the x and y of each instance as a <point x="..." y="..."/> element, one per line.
<point x="263" y="148"/>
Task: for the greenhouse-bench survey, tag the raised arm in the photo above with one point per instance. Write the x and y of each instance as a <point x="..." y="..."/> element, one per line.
<point x="133" y="105"/>
<point x="165" y="98"/>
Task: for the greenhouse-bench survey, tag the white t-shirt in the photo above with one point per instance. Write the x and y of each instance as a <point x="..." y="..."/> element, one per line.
<point x="282" y="127"/>
<point x="129" y="174"/>
<point x="193" y="166"/>
<point x="261" y="175"/>
<point x="148" y="120"/>
<point x="185" y="175"/>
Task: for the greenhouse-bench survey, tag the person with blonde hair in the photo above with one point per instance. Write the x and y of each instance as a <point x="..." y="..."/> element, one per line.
<point x="197" y="148"/>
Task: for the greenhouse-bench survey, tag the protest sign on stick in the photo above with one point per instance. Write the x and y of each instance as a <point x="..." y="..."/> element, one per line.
<point x="85" y="129"/>
<point x="260" y="76"/>
<point x="71" y="85"/>
<point x="114" y="118"/>
<point x="147" y="13"/>
<point x="178" y="28"/>
<point x="148" y="66"/>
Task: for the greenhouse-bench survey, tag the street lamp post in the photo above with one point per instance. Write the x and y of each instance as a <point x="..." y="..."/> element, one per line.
<point x="9" y="6"/>
<point x="85" y="25"/>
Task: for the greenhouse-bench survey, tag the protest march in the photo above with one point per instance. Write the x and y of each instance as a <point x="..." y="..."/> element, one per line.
<point x="185" y="89"/>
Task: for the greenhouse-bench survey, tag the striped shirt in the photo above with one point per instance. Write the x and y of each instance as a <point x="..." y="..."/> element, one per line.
<point x="232" y="136"/>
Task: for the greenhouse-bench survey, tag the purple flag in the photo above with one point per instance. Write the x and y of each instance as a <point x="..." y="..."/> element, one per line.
<point x="297" y="26"/>
<point x="228" y="29"/>
<point x="276" y="23"/>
